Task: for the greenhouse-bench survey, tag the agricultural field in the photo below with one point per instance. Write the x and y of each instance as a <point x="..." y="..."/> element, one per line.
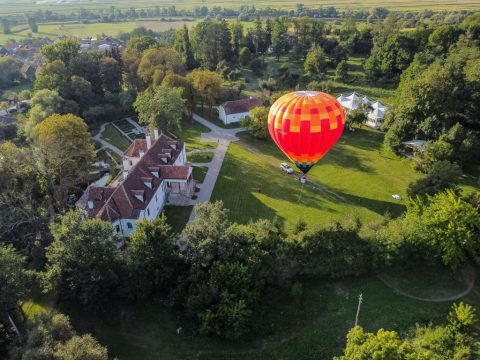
<point x="80" y="30"/>
<point x="66" y="6"/>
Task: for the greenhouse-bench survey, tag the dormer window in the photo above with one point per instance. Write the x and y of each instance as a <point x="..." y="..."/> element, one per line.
<point x="164" y="159"/>
<point x="139" y="195"/>
<point x="148" y="182"/>
<point x="173" y="146"/>
<point x="155" y="172"/>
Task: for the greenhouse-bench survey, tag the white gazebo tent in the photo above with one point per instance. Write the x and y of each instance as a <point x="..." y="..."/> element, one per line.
<point x="376" y="115"/>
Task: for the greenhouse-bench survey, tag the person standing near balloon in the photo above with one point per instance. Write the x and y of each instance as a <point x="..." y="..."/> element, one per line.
<point x="305" y="125"/>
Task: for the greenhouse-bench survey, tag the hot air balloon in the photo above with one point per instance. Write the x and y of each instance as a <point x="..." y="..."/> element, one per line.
<point x="305" y="125"/>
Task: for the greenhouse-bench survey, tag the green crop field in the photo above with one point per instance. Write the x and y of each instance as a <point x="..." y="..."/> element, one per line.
<point x="23" y="6"/>
<point x="77" y="29"/>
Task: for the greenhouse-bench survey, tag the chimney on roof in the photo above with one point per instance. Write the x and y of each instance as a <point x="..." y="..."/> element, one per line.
<point x="125" y="174"/>
<point x="149" y="141"/>
<point x="90" y="204"/>
<point x="126" y="164"/>
<point x="155" y="133"/>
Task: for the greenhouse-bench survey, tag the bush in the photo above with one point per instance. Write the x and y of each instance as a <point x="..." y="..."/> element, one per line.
<point x="256" y="65"/>
<point x="443" y="175"/>
<point x="245" y="56"/>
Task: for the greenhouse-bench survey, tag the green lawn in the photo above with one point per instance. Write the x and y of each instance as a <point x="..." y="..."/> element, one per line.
<point x="199" y="173"/>
<point x="177" y="216"/>
<point x="203" y="157"/>
<point x="356" y="178"/>
<point x="190" y="135"/>
<point x="114" y="137"/>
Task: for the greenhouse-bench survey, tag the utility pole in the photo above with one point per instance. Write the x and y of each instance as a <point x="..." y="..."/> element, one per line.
<point x="360" y="299"/>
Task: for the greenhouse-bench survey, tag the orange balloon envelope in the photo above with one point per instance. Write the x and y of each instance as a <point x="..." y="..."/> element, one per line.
<point x="305" y="125"/>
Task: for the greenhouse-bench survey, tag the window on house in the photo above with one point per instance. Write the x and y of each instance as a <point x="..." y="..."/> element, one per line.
<point x="117" y="228"/>
<point x="129" y="225"/>
<point x="156" y="198"/>
<point x="148" y="212"/>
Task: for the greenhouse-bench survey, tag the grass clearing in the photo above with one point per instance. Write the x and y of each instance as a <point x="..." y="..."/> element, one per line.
<point x="190" y="135"/>
<point x="200" y="157"/>
<point x="199" y="173"/>
<point x="177" y="216"/>
<point x="357" y="177"/>
<point x="114" y="137"/>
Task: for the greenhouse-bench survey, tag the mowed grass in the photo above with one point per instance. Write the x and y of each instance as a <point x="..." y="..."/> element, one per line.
<point x="356" y="178"/>
<point x="114" y="137"/>
<point x="199" y="173"/>
<point x="190" y="135"/>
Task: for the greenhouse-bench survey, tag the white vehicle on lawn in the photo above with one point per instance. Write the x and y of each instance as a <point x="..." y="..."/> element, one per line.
<point x="286" y="168"/>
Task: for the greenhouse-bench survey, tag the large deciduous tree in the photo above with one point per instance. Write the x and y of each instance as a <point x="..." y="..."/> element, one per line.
<point x="154" y="260"/>
<point x="207" y="85"/>
<point x="110" y="74"/>
<point x="447" y="225"/>
<point x="66" y="153"/>
<point x="13" y="279"/>
<point x="9" y="71"/>
<point x="51" y="336"/>
<point x="64" y="50"/>
<point x="257" y="122"/>
<point x="315" y="62"/>
<point x="81" y="261"/>
<point x="161" y="108"/>
<point x="22" y="205"/>
<point x="177" y="81"/>
<point x="211" y="41"/>
<point x="156" y="63"/>
<point x="54" y="76"/>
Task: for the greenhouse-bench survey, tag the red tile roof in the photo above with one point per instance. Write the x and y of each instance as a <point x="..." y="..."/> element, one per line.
<point x="112" y="203"/>
<point x="240" y="106"/>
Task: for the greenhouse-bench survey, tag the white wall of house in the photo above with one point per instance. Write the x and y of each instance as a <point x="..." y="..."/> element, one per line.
<point x="127" y="226"/>
<point x="154" y="208"/>
<point x="232" y="118"/>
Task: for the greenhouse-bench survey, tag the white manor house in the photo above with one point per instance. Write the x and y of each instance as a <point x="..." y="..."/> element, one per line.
<point x="153" y="169"/>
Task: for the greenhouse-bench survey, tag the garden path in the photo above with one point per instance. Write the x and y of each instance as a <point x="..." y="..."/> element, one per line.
<point x="104" y="143"/>
<point x="223" y="137"/>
